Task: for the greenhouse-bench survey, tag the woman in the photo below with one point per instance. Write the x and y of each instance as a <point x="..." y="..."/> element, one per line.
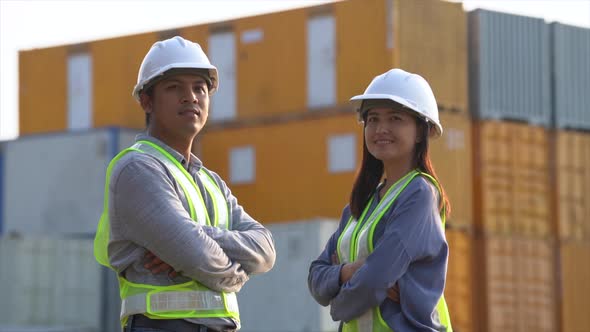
<point x="384" y="268"/>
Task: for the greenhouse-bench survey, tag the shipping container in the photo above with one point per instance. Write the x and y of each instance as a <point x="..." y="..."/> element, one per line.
<point x="42" y="105"/>
<point x="570" y="50"/>
<point x="49" y="282"/>
<point x="433" y="43"/>
<point x="282" y="295"/>
<point x="459" y="292"/>
<point x="519" y="284"/>
<point x="575" y="286"/>
<point x="452" y="159"/>
<point x="296" y="174"/>
<point x="270" y="65"/>
<point x="573" y="185"/>
<point x="116" y="63"/>
<point x="331" y="175"/>
<point x="509" y="74"/>
<point x="54" y="184"/>
<point x="363" y="29"/>
<point x="512" y="176"/>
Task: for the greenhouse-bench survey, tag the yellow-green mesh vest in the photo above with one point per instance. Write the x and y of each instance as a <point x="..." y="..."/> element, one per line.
<point x="187" y="300"/>
<point x="356" y="242"/>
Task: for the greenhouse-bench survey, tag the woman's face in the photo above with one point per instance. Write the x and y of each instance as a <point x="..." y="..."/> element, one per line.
<point x="390" y="135"/>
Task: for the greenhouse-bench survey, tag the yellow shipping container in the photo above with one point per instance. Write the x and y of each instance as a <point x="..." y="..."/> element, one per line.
<point x="43" y="90"/>
<point x="271" y="60"/>
<point x="116" y="62"/>
<point x="452" y="158"/>
<point x="292" y="180"/>
<point x="573" y="185"/>
<point x="432" y="41"/>
<point x="512" y="179"/>
<point x="459" y="289"/>
<point x="271" y="74"/>
<point x="361" y="39"/>
<point x="575" y="286"/>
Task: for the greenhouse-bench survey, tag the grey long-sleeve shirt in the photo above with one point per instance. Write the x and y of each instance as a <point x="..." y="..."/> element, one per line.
<point x="410" y="249"/>
<point x="148" y="211"/>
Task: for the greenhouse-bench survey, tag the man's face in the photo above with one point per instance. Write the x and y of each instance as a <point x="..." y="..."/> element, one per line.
<point x="179" y="105"/>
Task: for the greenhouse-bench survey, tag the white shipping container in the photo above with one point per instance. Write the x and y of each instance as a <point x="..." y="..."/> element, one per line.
<point x="279" y="301"/>
<point x="49" y="282"/>
<point x="54" y="184"/>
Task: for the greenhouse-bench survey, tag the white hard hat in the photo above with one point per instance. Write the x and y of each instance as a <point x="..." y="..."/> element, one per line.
<point x="409" y="90"/>
<point x="173" y="53"/>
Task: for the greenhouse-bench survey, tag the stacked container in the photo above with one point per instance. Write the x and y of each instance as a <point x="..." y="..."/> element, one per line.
<point x="570" y="50"/>
<point x="515" y="237"/>
<point x="513" y="158"/>
<point x="52" y="193"/>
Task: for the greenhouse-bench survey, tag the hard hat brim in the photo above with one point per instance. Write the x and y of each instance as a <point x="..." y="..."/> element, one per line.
<point x="357" y="102"/>
<point x="213" y="76"/>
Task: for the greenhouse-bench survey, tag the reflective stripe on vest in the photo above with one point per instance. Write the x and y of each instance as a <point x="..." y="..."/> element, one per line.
<point x="356" y="242"/>
<point x="188" y="300"/>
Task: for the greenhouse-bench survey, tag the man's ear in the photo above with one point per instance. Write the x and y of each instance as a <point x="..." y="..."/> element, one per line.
<point x="146" y="102"/>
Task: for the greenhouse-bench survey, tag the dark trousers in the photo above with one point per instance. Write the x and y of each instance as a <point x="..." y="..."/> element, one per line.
<point x="141" y="323"/>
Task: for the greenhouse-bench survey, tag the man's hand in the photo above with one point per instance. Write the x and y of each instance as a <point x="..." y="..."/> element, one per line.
<point x="156" y="265"/>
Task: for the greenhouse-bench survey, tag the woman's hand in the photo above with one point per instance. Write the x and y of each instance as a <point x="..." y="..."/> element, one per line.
<point x="393" y="293"/>
<point x="348" y="271"/>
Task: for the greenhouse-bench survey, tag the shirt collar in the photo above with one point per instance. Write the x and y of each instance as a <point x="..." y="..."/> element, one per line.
<point x="194" y="163"/>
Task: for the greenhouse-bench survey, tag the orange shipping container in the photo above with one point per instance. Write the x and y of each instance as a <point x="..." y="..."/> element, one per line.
<point x="573" y="185"/>
<point x="512" y="177"/>
<point x="575" y="286"/>
<point x="459" y="289"/>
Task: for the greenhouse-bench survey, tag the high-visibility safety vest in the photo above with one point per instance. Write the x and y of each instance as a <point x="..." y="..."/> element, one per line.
<point x="356" y="242"/>
<point x="186" y="300"/>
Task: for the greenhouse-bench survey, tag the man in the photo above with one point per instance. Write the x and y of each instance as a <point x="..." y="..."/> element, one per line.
<point x="171" y="229"/>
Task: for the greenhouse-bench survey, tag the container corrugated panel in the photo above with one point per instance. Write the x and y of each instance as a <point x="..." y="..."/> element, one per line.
<point x="452" y="158"/>
<point x="296" y="161"/>
<point x="433" y="43"/>
<point x="573" y="185"/>
<point x="42" y="106"/>
<point x="271" y="63"/>
<point x="501" y="288"/>
<point x="513" y="172"/>
<point x="116" y="62"/>
<point x="64" y="196"/>
<point x="297" y="244"/>
<point x="520" y="284"/>
<point x="459" y="288"/>
<point x="49" y="282"/>
<point x="535" y="277"/>
<point x="509" y="67"/>
<point x="571" y="74"/>
<point x="575" y="286"/>
<point x="356" y="46"/>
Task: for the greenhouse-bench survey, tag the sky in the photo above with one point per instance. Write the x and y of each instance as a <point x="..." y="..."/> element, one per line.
<point x="28" y="24"/>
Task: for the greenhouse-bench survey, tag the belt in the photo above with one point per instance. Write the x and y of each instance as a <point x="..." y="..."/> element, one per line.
<point x="176" y="325"/>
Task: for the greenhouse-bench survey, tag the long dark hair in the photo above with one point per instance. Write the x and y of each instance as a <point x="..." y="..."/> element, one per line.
<point x="371" y="172"/>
